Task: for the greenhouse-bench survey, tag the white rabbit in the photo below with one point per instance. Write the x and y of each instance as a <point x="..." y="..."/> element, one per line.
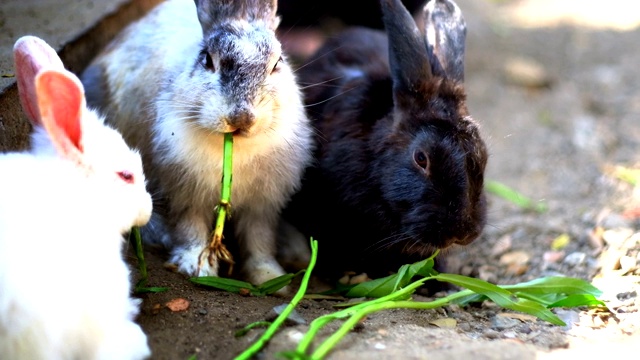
<point x="173" y="83"/>
<point x="64" y="207"/>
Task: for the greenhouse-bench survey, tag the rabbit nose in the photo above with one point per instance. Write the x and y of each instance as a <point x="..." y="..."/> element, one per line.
<point x="241" y="120"/>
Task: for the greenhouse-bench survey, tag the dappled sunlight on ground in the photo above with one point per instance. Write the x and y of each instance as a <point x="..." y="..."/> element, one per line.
<point x="612" y="14"/>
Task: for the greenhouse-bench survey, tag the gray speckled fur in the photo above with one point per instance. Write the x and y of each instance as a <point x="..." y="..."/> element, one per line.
<point x="153" y="84"/>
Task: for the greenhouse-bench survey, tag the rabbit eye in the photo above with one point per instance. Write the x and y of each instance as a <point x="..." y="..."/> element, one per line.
<point x="276" y="67"/>
<point x="126" y="176"/>
<point x="421" y="159"/>
<point x="206" y="61"/>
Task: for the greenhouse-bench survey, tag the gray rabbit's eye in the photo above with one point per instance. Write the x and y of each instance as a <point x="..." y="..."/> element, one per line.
<point x="206" y="60"/>
<point x="421" y="159"/>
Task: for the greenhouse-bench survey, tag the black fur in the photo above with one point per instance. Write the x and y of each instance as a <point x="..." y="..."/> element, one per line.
<point x="400" y="163"/>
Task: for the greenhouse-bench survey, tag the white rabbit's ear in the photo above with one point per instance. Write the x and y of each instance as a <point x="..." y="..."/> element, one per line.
<point x="32" y="55"/>
<point x="61" y="102"/>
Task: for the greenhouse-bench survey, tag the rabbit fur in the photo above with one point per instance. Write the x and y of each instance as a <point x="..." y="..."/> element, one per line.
<point x="173" y="83"/>
<point x="65" y="205"/>
<point x="400" y="161"/>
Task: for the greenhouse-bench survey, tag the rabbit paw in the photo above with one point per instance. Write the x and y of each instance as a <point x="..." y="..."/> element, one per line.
<point x="187" y="261"/>
<point x="261" y="269"/>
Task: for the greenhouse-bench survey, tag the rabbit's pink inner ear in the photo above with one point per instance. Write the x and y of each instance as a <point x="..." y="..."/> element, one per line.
<point x="61" y="102"/>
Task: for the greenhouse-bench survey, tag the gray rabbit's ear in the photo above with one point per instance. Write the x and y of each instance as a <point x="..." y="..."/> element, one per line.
<point x="408" y="57"/>
<point x="445" y="32"/>
<point x="266" y="10"/>
<point x="214" y="12"/>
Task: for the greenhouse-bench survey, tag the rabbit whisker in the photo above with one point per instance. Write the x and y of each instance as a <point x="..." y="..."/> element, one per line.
<point x="316" y="59"/>
<point x="318" y="133"/>
<point x="387" y="242"/>
<point x="330" y="98"/>
<point x="307" y="86"/>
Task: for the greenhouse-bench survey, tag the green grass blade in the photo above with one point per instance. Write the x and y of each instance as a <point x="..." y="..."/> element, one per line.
<point x="502" y="297"/>
<point x="271" y="330"/>
<point x="231" y="285"/>
<point x="246" y="329"/>
<point x="227" y="165"/>
<point x="140" y="287"/>
<point x="577" y="300"/>
<point x="555" y="285"/>
<point x="275" y="284"/>
<point x="514" y="196"/>
<point x="384" y="286"/>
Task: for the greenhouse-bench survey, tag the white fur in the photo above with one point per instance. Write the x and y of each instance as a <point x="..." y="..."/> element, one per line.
<point x="64" y="286"/>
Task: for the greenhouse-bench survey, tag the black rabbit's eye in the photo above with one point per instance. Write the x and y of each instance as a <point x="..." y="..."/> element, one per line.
<point x="276" y="66"/>
<point x="421" y="159"/>
<point x="206" y="60"/>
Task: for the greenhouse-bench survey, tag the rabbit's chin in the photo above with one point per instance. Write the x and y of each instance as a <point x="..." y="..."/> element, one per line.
<point x="419" y="248"/>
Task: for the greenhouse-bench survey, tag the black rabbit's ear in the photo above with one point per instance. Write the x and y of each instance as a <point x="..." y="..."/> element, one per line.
<point x="408" y="58"/>
<point x="212" y="12"/>
<point x="445" y="32"/>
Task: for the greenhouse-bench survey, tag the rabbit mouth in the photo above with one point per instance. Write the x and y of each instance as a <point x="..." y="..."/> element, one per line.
<point x="235" y="131"/>
<point x="240" y="133"/>
<point x="463" y="241"/>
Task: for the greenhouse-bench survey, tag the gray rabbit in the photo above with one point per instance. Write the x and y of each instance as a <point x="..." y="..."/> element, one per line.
<point x="173" y="83"/>
<point x="400" y="161"/>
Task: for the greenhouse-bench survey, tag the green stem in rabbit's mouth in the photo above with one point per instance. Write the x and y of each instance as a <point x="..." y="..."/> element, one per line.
<point x="217" y="250"/>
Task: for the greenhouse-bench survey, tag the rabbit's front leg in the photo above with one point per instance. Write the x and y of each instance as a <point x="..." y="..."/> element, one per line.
<point x="256" y="232"/>
<point x="192" y="238"/>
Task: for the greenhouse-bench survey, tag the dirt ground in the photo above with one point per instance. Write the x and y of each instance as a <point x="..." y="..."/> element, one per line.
<point x="559" y="102"/>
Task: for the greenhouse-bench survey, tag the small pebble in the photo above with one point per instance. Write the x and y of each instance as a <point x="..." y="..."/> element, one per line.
<point x="575" y="258"/>
<point x="526" y="72"/>
<point x="525" y="329"/>
<point x="487" y="273"/>
<point x="553" y="256"/>
<point x="295" y="336"/>
<point x="446" y="323"/>
<point x="517" y="269"/>
<point x="294" y="316"/>
<point x="491" y="334"/>
<point x="570" y="317"/>
<point x="502" y="245"/>
<point x="502" y="322"/>
<point x="515" y="257"/>
<point x="359" y="279"/>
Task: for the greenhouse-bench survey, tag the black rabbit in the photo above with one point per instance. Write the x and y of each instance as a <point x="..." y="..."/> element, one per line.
<point x="400" y="162"/>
